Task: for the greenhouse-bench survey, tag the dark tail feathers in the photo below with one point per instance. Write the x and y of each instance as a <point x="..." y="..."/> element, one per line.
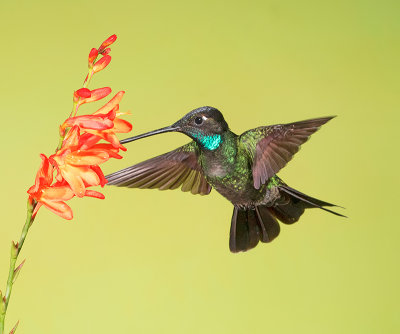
<point x="249" y="226"/>
<point x="296" y="203"/>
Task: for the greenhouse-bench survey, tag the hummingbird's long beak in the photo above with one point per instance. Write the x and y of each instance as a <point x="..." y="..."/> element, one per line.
<point x="170" y="128"/>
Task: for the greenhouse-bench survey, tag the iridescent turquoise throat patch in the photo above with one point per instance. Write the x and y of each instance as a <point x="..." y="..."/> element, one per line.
<point x="209" y="142"/>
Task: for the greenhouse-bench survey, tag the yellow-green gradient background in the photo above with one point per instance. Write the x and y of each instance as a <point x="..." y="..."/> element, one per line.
<point x="145" y="261"/>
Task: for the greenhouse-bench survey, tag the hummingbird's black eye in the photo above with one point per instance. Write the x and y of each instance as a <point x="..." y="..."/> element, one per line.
<point x="198" y="120"/>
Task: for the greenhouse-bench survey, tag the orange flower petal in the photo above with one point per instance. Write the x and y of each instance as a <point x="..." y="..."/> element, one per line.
<point x="45" y="170"/>
<point x="87" y="157"/>
<point x="112" y="138"/>
<point x="111" y="150"/>
<point x="87" y="140"/>
<point x="72" y="175"/>
<point x="111" y="104"/>
<point x="122" y="126"/>
<point x="95" y="122"/>
<point x="59" y="208"/>
<point x="58" y="193"/>
<point x="44" y="175"/>
<point x="89" y="177"/>
<point x="92" y="56"/>
<point x="96" y="94"/>
<point x="95" y="194"/>
<point x="72" y="138"/>
<point x="102" y="63"/>
<point x="100" y="174"/>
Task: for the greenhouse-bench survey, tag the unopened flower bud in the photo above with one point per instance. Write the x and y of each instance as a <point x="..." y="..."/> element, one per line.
<point x="81" y="94"/>
<point x="101" y="64"/>
<point x="92" y="56"/>
<point x="107" y="43"/>
<point x="106" y="51"/>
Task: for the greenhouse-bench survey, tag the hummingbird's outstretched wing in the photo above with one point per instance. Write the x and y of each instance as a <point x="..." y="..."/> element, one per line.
<point x="272" y="147"/>
<point x="171" y="170"/>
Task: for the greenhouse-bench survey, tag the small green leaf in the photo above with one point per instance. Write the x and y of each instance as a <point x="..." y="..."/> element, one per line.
<point x="14" y="250"/>
<point x="15" y="328"/>
<point x="17" y="271"/>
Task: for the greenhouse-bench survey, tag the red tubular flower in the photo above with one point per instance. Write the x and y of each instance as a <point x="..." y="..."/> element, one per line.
<point x="109" y="135"/>
<point x="108" y="148"/>
<point x="95" y="94"/>
<point x="52" y="197"/>
<point x="44" y="176"/>
<point x="111" y="104"/>
<point x="110" y="40"/>
<point x="94" y="122"/>
<point x="92" y="136"/>
<point x="74" y="165"/>
<point x="98" y="94"/>
<point x="120" y="125"/>
<point x="101" y="64"/>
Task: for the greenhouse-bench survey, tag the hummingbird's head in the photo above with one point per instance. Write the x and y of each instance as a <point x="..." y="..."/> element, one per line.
<point x="205" y="125"/>
<point x="203" y="121"/>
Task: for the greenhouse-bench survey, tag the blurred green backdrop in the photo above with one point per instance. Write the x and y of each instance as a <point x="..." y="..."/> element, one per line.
<point x="145" y="261"/>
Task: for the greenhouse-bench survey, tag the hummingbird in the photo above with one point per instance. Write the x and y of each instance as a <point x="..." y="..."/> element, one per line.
<point x="242" y="168"/>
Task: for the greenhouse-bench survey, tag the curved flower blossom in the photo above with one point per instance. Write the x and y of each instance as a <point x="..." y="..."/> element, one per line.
<point x="93" y="122"/>
<point x="74" y="165"/>
<point x="102" y="63"/>
<point x="53" y="197"/>
<point x="119" y="125"/>
<point x="85" y="95"/>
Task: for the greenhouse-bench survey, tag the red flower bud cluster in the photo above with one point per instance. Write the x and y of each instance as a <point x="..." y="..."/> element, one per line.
<point x="75" y="166"/>
<point x="103" y="50"/>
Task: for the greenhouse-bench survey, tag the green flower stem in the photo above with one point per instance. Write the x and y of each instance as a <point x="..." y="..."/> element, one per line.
<point x="89" y="76"/>
<point x="15" y="250"/>
<point x="85" y="84"/>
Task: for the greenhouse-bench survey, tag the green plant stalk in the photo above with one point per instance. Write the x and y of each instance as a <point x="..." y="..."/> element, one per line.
<point x="15" y="250"/>
<point x="75" y="105"/>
